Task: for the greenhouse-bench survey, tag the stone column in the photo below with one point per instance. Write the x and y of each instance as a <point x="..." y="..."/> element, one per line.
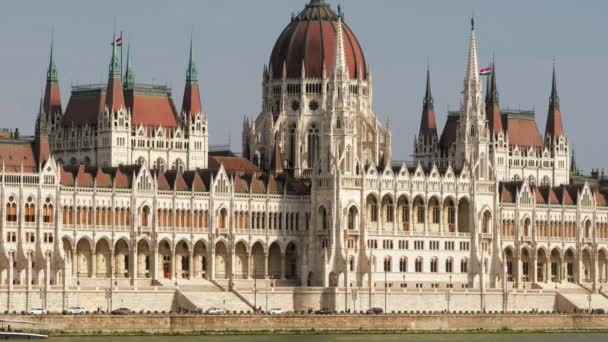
<point x="134" y="263"/>
<point x="74" y="260"/>
<point x="29" y="272"/>
<point x="533" y="261"/>
<point x="173" y="265"/>
<point x="594" y="272"/>
<point x="47" y="272"/>
<point x="191" y="264"/>
<point x="93" y="263"/>
<point x="249" y="265"/>
<point x="518" y="268"/>
<point x="265" y="264"/>
<point x="211" y="263"/>
<point x="283" y="266"/>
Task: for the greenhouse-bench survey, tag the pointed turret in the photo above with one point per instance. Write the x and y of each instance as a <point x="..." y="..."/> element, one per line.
<point x="52" y="98"/>
<point x="339" y="66"/>
<point x="42" y="149"/>
<point x="129" y="78"/>
<point x="428" y="125"/>
<point x="554" y="127"/>
<point x="573" y="168"/>
<point x="191" y="104"/>
<point x="472" y="78"/>
<point x="492" y="104"/>
<point x="276" y="163"/>
<point x="114" y="95"/>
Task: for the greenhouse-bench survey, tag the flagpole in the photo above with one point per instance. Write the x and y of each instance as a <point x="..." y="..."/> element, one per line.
<point x="120" y="53"/>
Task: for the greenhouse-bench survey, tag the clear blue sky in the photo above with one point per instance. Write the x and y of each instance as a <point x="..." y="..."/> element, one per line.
<point x="233" y="40"/>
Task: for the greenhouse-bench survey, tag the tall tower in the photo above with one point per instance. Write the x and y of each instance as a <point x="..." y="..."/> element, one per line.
<point x="195" y="122"/>
<point x="114" y="122"/>
<point x="472" y="137"/>
<point x="425" y="145"/>
<point x="50" y="112"/>
<point x="555" y="137"/>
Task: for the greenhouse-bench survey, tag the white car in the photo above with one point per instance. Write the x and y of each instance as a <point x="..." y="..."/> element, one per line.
<point x="215" y="311"/>
<point x="37" y="311"/>
<point x="76" y="310"/>
<point x="277" y="311"/>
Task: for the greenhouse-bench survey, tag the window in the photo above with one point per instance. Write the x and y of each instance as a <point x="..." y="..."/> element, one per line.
<point x="48" y="237"/>
<point x="463" y="265"/>
<point x="449" y="265"/>
<point x="449" y="245"/>
<point x="464" y="246"/>
<point x="420" y="214"/>
<point x="324" y="243"/>
<point x="30" y="237"/>
<point x="403" y="244"/>
<point x="418" y="265"/>
<point x="372" y="244"/>
<point x="434" y="245"/>
<point x="387" y="244"/>
<point x="418" y="245"/>
<point x="11" y="236"/>
<point x="47" y="211"/>
<point x="434" y="265"/>
<point x="403" y="264"/>
<point x="387" y="264"/>
<point x="436" y="214"/>
<point x="11" y="210"/>
<point x="350" y="243"/>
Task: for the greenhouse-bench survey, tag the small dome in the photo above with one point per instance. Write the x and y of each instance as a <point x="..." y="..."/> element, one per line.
<point x="310" y="37"/>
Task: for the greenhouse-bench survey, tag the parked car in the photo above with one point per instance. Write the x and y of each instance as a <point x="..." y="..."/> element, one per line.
<point x="325" y="311"/>
<point x="277" y="311"/>
<point x="600" y="311"/>
<point x="37" y="311"/>
<point x="375" y="311"/>
<point x="75" y="310"/>
<point x="121" y="311"/>
<point x="215" y="311"/>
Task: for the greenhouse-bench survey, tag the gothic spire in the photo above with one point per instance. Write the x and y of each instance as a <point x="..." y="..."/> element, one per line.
<point x="114" y="95"/>
<point x="52" y="98"/>
<point x="191" y="73"/>
<point x="472" y="77"/>
<point x="554" y="126"/>
<point x="428" y="125"/>
<point x="129" y="78"/>
<point x="573" y="168"/>
<point x="492" y="104"/>
<point x="191" y="104"/>
<point x="339" y="67"/>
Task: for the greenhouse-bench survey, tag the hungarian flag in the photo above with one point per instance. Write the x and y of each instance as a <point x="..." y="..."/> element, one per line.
<point x="118" y="41"/>
<point x="485" y="71"/>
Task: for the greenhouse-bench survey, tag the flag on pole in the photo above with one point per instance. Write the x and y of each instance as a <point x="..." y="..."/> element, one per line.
<point x="485" y="71"/>
<point x="118" y="41"/>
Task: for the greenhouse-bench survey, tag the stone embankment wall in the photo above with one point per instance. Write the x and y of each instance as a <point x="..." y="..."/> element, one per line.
<point x="104" y="324"/>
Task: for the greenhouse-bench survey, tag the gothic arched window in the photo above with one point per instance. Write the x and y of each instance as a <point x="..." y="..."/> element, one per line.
<point x="313" y="145"/>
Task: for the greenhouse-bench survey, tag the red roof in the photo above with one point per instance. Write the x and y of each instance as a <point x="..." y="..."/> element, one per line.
<point x="162" y="183"/>
<point x="493" y="116"/>
<point x="52" y="98"/>
<point x="15" y="153"/>
<point x="83" y="178"/>
<point x="192" y="99"/>
<point x="522" y="130"/>
<point x="448" y="135"/>
<point x="149" y="107"/>
<point x="554" y="122"/>
<point x="115" y="98"/>
<point x="233" y="164"/>
<point x="310" y="37"/>
<point x="102" y="179"/>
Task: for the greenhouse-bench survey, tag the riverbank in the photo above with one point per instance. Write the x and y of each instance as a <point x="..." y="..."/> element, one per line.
<point x="310" y="324"/>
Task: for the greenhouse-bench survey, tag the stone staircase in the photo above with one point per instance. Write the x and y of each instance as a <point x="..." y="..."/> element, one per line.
<point x="578" y="297"/>
<point x="202" y="294"/>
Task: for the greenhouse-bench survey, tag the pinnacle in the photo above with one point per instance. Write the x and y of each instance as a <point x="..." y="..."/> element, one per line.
<point x="191" y="73"/>
<point x="52" y="71"/>
<point x="114" y="72"/>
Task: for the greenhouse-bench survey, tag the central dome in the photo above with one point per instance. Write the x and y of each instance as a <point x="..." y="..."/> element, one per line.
<point x="310" y="38"/>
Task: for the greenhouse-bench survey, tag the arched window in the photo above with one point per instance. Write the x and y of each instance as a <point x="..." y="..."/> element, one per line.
<point x="449" y="265"/>
<point x="11" y="210"/>
<point x="418" y="265"/>
<point x="47" y="211"/>
<point x="323" y="218"/>
<point x="222" y="218"/>
<point x="387" y="264"/>
<point x="372" y="207"/>
<point x="387" y="209"/>
<point x="145" y="212"/>
<point x="313" y="145"/>
<point x="487" y="222"/>
<point x="30" y="210"/>
<point x="434" y="265"/>
<point x="352" y="217"/>
<point x="403" y="264"/>
<point x="464" y="265"/>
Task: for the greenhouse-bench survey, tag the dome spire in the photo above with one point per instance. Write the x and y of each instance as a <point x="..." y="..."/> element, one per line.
<point x="554" y="126"/>
<point x="191" y="104"/>
<point x="51" y="74"/>
<point x="114" y="95"/>
<point x="52" y="98"/>
<point x="428" y="125"/>
<point x="191" y="73"/>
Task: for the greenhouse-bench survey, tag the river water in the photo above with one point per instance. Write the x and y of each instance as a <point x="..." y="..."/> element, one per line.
<point x="509" y="337"/>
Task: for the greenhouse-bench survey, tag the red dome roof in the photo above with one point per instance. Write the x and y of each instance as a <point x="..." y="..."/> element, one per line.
<point x="311" y="37"/>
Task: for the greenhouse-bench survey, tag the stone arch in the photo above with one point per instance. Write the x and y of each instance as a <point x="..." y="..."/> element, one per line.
<point x="291" y="260"/>
<point x="403" y="212"/>
<point x="569" y="262"/>
<point x="322" y="218"/>
<point x="222" y="218"/>
<point x="241" y="261"/>
<point x="102" y="258"/>
<point x="387" y="208"/>
<point x="433" y="213"/>
<point x="121" y="258"/>
<point x="201" y="259"/>
<point x="143" y="258"/>
<point x="221" y="260"/>
<point x="274" y="260"/>
<point x="508" y="262"/>
<point x="182" y="259"/>
<point x="449" y="213"/>
<point x="371" y="205"/>
<point x="164" y="258"/>
<point x="602" y="264"/>
<point x="541" y="264"/>
<point x="464" y="213"/>
<point x="527" y="227"/>
<point x="555" y="259"/>
<point x="526" y="262"/>
<point x="586" y="265"/>
<point x="257" y="255"/>
<point x="419" y="213"/>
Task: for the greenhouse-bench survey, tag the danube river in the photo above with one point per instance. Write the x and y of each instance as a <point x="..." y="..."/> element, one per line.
<point x="510" y="337"/>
